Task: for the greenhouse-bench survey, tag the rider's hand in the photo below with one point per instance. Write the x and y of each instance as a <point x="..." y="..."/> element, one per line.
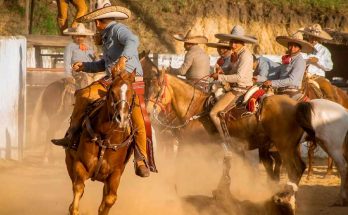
<point x="313" y="60"/>
<point x="254" y="79"/>
<point x="120" y="65"/>
<point x="78" y="67"/>
<point x="218" y="70"/>
<point x="215" y="76"/>
<point x="267" y="83"/>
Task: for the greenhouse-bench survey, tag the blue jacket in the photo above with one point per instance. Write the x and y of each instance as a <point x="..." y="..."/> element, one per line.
<point x="118" y="41"/>
<point x="291" y="74"/>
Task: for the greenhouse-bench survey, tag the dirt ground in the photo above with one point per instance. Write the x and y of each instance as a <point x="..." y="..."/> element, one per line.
<point x="32" y="187"/>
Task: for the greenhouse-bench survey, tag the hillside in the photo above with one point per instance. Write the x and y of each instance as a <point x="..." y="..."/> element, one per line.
<point x="156" y="20"/>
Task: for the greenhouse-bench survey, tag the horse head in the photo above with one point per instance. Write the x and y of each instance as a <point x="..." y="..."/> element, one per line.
<point x="158" y="96"/>
<point x="120" y="98"/>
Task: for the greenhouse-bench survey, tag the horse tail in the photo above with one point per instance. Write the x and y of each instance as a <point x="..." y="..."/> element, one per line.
<point x="36" y="120"/>
<point x="304" y="118"/>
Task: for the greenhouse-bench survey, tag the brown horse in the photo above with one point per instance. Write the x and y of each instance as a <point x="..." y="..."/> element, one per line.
<point x="277" y="120"/>
<point x="104" y="145"/>
<point x="327" y="91"/>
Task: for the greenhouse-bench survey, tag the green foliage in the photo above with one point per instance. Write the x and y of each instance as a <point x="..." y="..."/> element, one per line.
<point x="44" y="19"/>
<point x="333" y="4"/>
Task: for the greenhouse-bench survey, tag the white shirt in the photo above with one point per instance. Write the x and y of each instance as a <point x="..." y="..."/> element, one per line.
<point x="324" y="60"/>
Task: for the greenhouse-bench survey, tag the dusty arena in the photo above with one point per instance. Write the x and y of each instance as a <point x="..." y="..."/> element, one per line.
<point x="174" y="107"/>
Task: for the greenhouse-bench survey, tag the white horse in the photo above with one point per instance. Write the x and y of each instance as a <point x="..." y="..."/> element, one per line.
<point x="326" y="122"/>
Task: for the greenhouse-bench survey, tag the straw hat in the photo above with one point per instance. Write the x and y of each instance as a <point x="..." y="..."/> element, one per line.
<point x="189" y="38"/>
<point x="297" y="38"/>
<point x="316" y="31"/>
<point x="221" y="43"/>
<point x="79" y="30"/>
<point x="103" y="10"/>
<point x="237" y="33"/>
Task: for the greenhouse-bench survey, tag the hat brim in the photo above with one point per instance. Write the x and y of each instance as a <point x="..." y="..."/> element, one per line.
<point x="194" y="39"/>
<point x="72" y="32"/>
<point x="324" y="35"/>
<point x="246" y="39"/>
<point x="116" y="12"/>
<point x="218" y="45"/>
<point x="306" y="47"/>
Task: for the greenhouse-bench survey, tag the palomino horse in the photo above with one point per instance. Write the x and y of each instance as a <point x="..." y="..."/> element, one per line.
<point x="326" y="122"/>
<point x="327" y="91"/>
<point x="277" y="120"/>
<point x="104" y="145"/>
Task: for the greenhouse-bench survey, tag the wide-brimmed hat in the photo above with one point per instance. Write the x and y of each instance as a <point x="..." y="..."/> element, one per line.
<point x="103" y="10"/>
<point x="316" y="31"/>
<point x="297" y="38"/>
<point x="79" y="30"/>
<point x="237" y="33"/>
<point x="221" y="43"/>
<point x="189" y="38"/>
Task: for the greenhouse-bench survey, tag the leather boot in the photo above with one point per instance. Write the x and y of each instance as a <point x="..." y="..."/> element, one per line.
<point x="66" y="141"/>
<point x="141" y="169"/>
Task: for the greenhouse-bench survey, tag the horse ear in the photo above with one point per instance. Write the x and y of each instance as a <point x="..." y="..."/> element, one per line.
<point x="132" y="76"/>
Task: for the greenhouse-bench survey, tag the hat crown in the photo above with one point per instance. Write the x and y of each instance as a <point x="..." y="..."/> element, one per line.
<point x="297" y="36"/>
<point x="188" y="34"/>
<point x="80" y="28"/>
<point x="238" y="30"/>
<point x="315" y="29"/>
<point x="102" y="3"/>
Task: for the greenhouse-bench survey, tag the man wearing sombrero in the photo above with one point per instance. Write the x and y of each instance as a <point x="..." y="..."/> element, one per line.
<point x="196" y="64"/>
<point x="293" y="65"/>
<point x="241" y="75"/>
<point x="78" y="50"/>
<point x="319" y="61"/>
<point x="119" y="53"/>
<point x="223" y="64"/>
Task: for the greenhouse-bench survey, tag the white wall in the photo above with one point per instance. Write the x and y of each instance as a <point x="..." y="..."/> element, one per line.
<point x="12" y="94"/>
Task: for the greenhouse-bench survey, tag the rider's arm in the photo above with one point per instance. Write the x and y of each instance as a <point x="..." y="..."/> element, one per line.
<point x="244" y="71"/>
<point x="185" y="66"/>
<point x="295" y="74"/>
<point x="67" y="59"/>
<point x="94" y="67"/>
<point x="128" y="40"/>
<point x="263" y="70"/>
<point x="324" y="59"/>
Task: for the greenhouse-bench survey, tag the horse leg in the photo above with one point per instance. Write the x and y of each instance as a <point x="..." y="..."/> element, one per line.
<point x="329" y="166"/>
<point x="338" y="156"/>
<point x="78" y="187"/>
<point x="110" y="193"/>
<point x="277" y="166"/>
<point x="311" y="148"/>
<point x="293" y="162"/>
<point x="267" y="161"/>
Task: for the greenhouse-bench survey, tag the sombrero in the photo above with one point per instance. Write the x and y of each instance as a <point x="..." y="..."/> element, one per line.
<point x="316" y="31"/>
<point x="188" y="38"/>
<point x="297" y="38"/>
<point x="79" y="30"/>
<point x="237" y="33"/>
<point x="221" y="43"/>
<point x="104" y="10"/>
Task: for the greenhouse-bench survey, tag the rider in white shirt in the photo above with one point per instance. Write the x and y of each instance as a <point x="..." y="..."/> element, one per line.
<point x="319" y="61"/>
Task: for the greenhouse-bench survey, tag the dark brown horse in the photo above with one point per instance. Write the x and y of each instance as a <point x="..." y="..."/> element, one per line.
<point x="317" y="87"/>
<point x="104" y="158"/>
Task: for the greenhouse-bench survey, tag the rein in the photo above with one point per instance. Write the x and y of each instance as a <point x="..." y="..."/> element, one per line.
<point x="160" y="97"/>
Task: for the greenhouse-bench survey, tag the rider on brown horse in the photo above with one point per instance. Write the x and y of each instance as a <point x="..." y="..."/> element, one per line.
<point x="293" y="65"/>
<point x="196" y="64"/>
<point x="223" y="64"/>
<point x="319" y="61"/>
<point x="120" y="53"/>
<point x="241" y="75"/>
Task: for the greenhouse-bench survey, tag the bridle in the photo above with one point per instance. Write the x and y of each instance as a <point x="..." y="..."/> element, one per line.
<point x="158" y="102"/>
